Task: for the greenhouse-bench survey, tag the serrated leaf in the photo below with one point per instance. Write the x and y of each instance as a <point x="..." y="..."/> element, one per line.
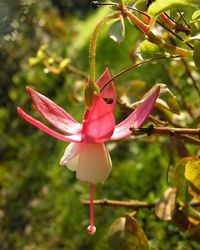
<point x="196" y="54"/>
<point x="165" y="208"/>
<point x="159" y="6"/>
<point x="117" y="31"/>
<point x="126" y="233"/>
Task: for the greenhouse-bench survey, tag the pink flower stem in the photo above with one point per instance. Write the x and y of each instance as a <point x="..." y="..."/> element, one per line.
<point x="91" y="228"/>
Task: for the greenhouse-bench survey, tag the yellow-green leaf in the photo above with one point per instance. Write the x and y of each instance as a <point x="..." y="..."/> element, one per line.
<point x="180" y="182"/>
<point x="192" y="174"/>
<point x="148" y="49"/>
<point x="169" y="99"/>
<point x="162" y="5"/>
<point x="64" y="63"/>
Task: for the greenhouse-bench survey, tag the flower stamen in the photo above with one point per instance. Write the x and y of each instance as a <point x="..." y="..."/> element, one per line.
<point x="91" y="228"/>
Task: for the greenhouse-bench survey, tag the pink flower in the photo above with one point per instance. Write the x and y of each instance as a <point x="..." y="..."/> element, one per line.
<point x="86" y="154"/>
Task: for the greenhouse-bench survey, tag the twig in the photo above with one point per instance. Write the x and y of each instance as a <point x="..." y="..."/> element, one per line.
<point x="174" y="33"/>
<point x="183" y="133"/>
<point x="137" y="65"/>
<point x="130" y="204"/>
<point x="115" y="203"/>
<point x="184" y="20"/>
<point x="166" y="131"/>
<point x="70" y="68"/>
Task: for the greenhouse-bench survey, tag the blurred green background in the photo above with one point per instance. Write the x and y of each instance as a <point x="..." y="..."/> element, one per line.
<point x="40" y="201"/>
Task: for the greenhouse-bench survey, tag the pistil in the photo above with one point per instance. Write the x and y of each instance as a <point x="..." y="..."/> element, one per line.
<point x="91" y="228"/>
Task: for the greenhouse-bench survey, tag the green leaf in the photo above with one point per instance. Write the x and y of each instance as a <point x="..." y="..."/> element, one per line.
<point x="64" y="63"/>
<point x="167" y="100"/>
<point x="126" y="233"/>
<point x="148" y="49"/>
<point x="117" y="31"/>
<point x="195" y="25"/>
<point x="180" y="183"/>
<point x="196" y="54"/>
<point x="196" y="15"/>
<point x="162" y="5"/>
<point x="192" y="174"/>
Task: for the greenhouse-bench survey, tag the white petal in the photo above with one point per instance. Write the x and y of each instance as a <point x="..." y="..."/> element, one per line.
<point x="73" y="163"/>
<point x="71" y="156"/>
<point x="94" y="163"/>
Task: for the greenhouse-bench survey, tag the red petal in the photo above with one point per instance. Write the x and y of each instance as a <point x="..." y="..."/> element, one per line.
<point x="108" y="92"/>
<point x="136" y="118"/>
<point x="44" y="128"/>
<point x="54" y="114"/>
<point x="100" y="122"/>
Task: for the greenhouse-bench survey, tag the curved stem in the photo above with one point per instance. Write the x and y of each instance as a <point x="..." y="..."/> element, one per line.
<point x="156" y="39"/>
<point x="137" y="65"/>
<point x="142" y="27"/>
<point x="93" y="42"/>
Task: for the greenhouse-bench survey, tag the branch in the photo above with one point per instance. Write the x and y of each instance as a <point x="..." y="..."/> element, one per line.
<point x="133" y="204"/>
<point x="166" y="130"/>
<point x="138" y="64"/>
<point x="183" y="133"/>
<point x="130" y="204"/>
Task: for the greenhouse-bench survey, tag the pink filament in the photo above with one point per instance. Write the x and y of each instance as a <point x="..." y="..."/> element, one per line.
<point x="91" y="228"/>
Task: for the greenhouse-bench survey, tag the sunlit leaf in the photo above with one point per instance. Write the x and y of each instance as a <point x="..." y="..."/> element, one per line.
<point x="195" y="24"/>
<point x="64" y="63"/>
<point x="166" y="206"/>
<point x="169" y="100"/>
<point x="192" y="174"/>
<point x="148" y="49"/>
<point x="162" y="5"/>
<point x="117" y="31"/>
<point x="126" y="233"/>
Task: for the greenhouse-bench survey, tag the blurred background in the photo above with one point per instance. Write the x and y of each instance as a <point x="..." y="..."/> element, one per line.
<point x="44" y="44"/>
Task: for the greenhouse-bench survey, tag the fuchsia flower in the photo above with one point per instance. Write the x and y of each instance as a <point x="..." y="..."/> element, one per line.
<point x="86" y="154"/>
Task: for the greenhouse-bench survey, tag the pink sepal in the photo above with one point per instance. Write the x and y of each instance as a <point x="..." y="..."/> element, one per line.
<point x="109" y="92"/>
<point x="99" y="123"/>
<point x="54" y="114"/>
<point x="136" y="118"/>
<point x="44" y="128"/>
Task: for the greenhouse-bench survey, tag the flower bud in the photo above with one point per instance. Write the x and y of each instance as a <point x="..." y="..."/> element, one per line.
<point x="89" y="94"/>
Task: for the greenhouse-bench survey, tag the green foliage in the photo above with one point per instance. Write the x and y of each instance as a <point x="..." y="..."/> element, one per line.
<point x="162" y="5"/>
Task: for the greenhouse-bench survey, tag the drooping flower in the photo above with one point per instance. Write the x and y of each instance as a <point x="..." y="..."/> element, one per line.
<point x="86" y="154"/>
